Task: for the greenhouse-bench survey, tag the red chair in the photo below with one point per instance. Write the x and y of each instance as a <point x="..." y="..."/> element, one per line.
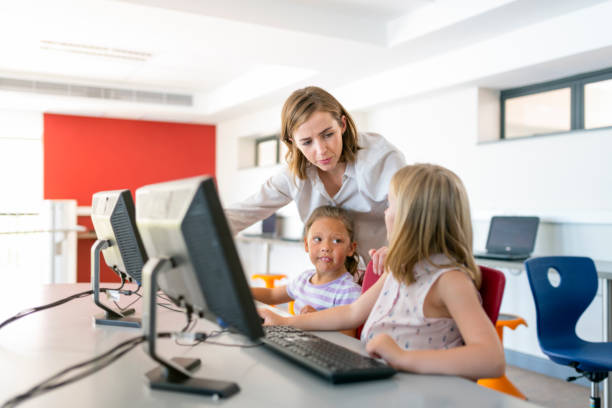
<point x="492" y="291"/>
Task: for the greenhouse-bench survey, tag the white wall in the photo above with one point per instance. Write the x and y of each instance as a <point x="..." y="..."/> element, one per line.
<point x="565" y="179"/>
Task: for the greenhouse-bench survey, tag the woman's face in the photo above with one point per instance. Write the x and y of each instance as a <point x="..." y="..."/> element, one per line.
<point x="320" y="140"/>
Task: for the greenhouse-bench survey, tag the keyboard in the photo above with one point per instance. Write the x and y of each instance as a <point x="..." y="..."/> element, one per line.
<point x="335" y="363"/>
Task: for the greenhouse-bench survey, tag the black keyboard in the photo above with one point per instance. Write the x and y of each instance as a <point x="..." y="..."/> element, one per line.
<point x="335" y="363"/>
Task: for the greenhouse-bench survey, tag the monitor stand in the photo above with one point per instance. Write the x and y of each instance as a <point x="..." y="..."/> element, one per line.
<point x="110" y="317"/>
<point x="171" y="376"/>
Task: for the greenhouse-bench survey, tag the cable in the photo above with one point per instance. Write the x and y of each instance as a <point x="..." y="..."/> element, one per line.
<point x="233" y="345"/>
<point x="136" y="300"/>
<point x="170" y="308"/>
<point x="105" y="359"/>
<point x="97" y="363"/>
<point x="59" y="302"/>
<point x="169" y="303"/>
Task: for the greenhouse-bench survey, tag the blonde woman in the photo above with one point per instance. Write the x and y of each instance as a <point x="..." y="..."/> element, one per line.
<point x="424" y="314"/>
<point x="328" y="163"/>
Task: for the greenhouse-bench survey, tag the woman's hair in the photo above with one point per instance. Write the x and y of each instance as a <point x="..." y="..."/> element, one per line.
<point x="432" y="216"/>
<point x="342" y="215"/>
<point x="298" y="108"/>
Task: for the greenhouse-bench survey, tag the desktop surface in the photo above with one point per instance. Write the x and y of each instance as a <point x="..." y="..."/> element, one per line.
<point x="37" y="346"/>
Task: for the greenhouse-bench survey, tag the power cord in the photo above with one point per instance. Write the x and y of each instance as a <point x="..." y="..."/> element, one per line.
<point x="59" y="302"/>
<point x="97" y="363"/>
<point x="103" y="360"/>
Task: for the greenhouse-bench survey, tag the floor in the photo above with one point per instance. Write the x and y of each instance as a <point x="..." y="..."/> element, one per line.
<point x="547" y="391"/>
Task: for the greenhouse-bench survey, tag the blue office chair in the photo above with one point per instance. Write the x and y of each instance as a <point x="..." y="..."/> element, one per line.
<point x="560" y="300"/>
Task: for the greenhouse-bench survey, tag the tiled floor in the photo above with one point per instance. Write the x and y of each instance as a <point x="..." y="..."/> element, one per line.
<point x="547" y="391"/>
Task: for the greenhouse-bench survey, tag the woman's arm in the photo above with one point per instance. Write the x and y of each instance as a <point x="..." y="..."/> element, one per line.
<point x="335" y="318"/>
<point x="271" y="296"/>
<point x="482" y="356"/>
<point x="272" y="195"/>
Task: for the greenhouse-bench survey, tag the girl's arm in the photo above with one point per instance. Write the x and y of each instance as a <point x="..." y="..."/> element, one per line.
<point x="271" y="296"/>
<point x="335" y="318"/>
<point x="482" y="356"/>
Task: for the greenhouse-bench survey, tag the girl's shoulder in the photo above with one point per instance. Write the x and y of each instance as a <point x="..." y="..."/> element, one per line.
<point x="347" y="280"/>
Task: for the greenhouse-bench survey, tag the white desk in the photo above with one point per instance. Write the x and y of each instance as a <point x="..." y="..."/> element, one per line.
<point x="604" y="271"/>
<point x="39" y="345"/>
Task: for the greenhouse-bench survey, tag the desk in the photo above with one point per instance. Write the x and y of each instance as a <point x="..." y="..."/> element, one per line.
<point x="604" y="271"/>
<point x="33" y="348"/>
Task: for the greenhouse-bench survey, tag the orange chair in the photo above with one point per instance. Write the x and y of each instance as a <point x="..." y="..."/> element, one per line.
<point x="270" y="282"/>
<point x="502" y="383"/>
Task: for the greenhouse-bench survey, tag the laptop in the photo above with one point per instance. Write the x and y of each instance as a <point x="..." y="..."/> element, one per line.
<point x="510" y="238"/>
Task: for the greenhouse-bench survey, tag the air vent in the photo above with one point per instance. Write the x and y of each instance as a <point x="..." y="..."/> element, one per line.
<point x="83" y="91"/>
<point x="95" y="50"/>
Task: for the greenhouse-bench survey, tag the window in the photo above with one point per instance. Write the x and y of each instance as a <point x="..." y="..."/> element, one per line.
<point x="597" y="104"/>
<point x="266" y="151"/>
<point x="564" y="105"/>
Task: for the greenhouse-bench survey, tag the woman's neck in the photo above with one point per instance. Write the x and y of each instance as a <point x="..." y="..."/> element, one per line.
<point x="332" y="179"/>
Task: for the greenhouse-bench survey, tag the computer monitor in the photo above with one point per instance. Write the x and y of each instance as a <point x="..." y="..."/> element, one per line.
<point x="193" y="259"/>
<point x="114" y="221"/>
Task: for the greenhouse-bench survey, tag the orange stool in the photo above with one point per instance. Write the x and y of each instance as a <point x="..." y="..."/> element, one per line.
<point x="503" y="384"/>
<point x="270" y="282"/>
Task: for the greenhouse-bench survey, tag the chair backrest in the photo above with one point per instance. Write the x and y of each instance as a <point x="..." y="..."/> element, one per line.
<point x="559" y="307"/>
<point x="369" y="278"/>
<point x="491" y="290"/>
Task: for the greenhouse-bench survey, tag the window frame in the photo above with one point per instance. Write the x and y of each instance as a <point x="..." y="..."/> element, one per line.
<point x="576" y="84"/>
<point x="260" y="140"/>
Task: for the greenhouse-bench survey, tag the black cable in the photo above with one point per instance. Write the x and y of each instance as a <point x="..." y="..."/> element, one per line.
<point x="59" y="302"/>
<point x="170" y="308"/>
<point x="102" y="360"/>
<point x="122" y="309"/>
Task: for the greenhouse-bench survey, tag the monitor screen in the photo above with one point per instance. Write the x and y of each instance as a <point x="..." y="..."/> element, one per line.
<point x="113" y="218"/>
<point x="512" y="234"/>
<point x="183" y="221"/>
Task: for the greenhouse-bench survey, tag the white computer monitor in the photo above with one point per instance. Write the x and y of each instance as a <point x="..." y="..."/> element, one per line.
<point x="193" y="260"/>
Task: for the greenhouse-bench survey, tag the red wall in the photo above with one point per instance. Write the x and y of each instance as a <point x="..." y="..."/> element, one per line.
<point x="84" y="155"/>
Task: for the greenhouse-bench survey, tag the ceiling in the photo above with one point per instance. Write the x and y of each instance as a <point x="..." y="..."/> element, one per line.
<point x="227" y="57"/>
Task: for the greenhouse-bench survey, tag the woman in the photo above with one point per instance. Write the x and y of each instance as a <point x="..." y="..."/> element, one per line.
<point x="328" y="163"/>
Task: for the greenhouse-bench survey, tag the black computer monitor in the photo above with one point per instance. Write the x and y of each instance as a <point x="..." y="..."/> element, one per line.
<point x="114" y="221"/>
<point x="193" y="259"/>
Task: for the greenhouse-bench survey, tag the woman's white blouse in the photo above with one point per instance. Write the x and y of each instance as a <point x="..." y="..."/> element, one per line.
<point x="363" y="193"/>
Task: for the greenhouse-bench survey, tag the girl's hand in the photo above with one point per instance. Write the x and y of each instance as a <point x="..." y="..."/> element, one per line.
<point x="271" y="318"/>
<point x="383" y="346"/>
<point x="307" y="309"/>
<point x="378" y="259"/>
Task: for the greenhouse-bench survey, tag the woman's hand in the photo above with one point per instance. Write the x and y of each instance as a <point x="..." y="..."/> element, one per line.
<point x="383" y="346"/>
<point x="378" y="259"/>
<point x="307" y="309"/>
<point x="271" y="318"/>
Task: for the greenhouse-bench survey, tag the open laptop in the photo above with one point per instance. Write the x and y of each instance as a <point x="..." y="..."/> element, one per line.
<point x="510" y="238"/>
